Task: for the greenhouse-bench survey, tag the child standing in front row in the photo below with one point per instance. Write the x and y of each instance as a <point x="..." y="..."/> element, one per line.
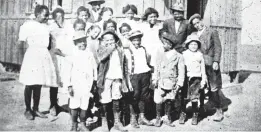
<point x="167" y="78"/>
<point x="82" y="77"/>
<point x="140" y="79"/>
<point x="196" y="73"/>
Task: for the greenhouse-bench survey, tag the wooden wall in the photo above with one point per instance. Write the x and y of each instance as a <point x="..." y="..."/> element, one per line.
<point x="13" y="13"/>
<point x="222" y="15"/>
<point x="225" y="17"/>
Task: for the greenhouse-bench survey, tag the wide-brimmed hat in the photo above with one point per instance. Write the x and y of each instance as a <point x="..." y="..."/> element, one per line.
<point x="135" y="33"/>
<point x="79" y="35"/>
<point x="192" y="38"/>
<point x="177" y="7"/>
<point x="169" y="37"/>
<point x="193" y="17"/>
<point x="98" y="1"/>
<point x="112" y="32"/>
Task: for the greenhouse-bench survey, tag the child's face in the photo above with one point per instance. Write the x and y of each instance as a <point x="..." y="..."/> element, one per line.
<point x="59" y="17"/>
<point x="129" y="14"/>
<point x="83" y="15"/>
<point x="124" y="31"/>
<point x="152" y="18"/>
<point x="136" y="42"/>
<point x="79" y="27"/>
<point x="81" y="44"/>
<point x="110" y="26"/>
<point x="108" y="40"/>
<point x="43" y="16"/>
<point x="193" y="46"/>
<point x="166" y="44"/>
<point x="95" y="33"/>
<point x="107" y="15"/>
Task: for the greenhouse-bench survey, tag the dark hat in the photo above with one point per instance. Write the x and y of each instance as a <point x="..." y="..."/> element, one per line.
<point x="98" y="1"/>
<point x="112" y="32"/>
<point x="177" y="7"/>
<point x="193" y="17"/>
<point x="135" y="33"/>
<point x="191" y="38"/>
<point x="79" y="35"/>
<point x="169" y="37"/>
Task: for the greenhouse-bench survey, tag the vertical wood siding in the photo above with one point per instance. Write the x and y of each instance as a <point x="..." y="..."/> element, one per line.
<point x="224" y="16"/>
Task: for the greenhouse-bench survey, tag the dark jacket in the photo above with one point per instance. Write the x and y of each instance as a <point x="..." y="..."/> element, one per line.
<point x="179" y="37"/>
<point x="104" y="57"/>
<point x="210" y="46"/>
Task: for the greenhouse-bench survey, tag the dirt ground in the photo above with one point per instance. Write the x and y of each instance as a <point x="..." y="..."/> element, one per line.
<point x="244" y="112"/>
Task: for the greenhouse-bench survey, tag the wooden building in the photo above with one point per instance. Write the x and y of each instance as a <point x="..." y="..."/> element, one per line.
<point x="223" y="15"/>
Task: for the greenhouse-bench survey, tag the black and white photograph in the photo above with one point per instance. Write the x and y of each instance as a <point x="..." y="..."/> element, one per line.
<point x="130" y="65"/>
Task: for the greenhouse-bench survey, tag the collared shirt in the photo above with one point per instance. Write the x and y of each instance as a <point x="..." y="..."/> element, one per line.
<point x="95" y="15"/>
<point x="199" y="33"/>
<point x="177" y="25"/>
<point x="194" y="62"/>
<point x="114" y="71"/>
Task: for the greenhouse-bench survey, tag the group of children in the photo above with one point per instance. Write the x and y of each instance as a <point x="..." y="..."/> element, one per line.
<point x="112" y="62"/>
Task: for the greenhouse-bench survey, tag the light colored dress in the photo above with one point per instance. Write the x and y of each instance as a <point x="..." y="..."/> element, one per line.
<point x="37" y="67"/>
<point x="82" y="75"/>
<point x="150" y="39"/>
<point x="62" y="33"/>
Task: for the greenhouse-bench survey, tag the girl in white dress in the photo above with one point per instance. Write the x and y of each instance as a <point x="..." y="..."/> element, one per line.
<point x="37" y="68"/>
<point x="150" y="27"/>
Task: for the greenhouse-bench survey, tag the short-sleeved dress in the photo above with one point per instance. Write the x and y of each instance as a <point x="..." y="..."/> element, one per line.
<point x="37" y="67"/>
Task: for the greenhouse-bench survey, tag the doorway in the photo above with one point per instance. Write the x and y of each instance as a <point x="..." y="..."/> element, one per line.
<point x="196" y="6"/>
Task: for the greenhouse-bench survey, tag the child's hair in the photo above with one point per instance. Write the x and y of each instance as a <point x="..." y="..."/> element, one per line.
<point x="124" y="25"/>
<point x="57" y="10"/>
<point x="79" y="21"/>
<point x="109" y="21"/>
<point x="149" y="11"/>
<point x="161" y="31"/>
<point x="93" y="27"/>
<point x="130" y="7"/>
<point x="39" y="8"/>
<point x="104" y="9"/>
<point x="82" y="8"/>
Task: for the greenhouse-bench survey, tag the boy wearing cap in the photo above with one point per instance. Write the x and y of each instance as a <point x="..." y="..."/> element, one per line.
<point x="211" y="49"/>
<point x="179" y="28"/>
<point x="82" y="80"/>
<point x="140" y="72"/>
<point x="196" y="77"/>
<point x="113" y="79"/>
<point x="167" y="78"/>
<point x="95" y="11"/>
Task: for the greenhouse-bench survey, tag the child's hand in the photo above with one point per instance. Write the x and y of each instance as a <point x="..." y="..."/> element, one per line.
<point x="70" y="91"/>
<point x="154" y="84"/>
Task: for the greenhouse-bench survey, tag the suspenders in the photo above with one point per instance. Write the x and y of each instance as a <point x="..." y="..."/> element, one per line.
<point x="133" y="62"/>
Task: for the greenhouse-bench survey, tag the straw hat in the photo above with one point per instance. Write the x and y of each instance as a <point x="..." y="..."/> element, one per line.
<point x="177" y="7"/>
<point x="191" y="38"/>
<point x="79" y="35"/>
<point x="135" y="33"/>
<point x="98" y="1"/>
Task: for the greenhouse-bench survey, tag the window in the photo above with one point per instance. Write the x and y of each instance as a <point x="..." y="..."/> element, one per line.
<point x="51" y="4"/>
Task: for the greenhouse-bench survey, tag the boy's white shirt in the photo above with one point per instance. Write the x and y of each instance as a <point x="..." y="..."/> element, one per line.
<point x="195" y="64"/>
<point x="82" y="73"/>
